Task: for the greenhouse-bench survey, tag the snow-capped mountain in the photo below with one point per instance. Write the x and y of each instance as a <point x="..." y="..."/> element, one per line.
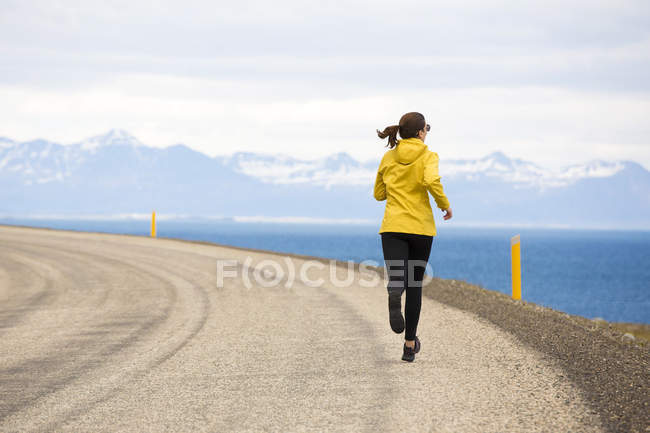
<point x="526" y="173"/>
<point x="114" y="137"/>
<point x="115" y="173"/>
<point x="341" y="169"/>
<point x="42" y="161"/>
<point x="337" y="169"/>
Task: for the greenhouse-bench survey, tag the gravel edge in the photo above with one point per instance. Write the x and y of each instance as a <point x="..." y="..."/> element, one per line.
<point x="612" y="372"/>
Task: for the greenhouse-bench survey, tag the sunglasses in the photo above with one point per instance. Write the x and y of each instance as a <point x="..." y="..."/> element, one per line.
<point x="428" y="128"/>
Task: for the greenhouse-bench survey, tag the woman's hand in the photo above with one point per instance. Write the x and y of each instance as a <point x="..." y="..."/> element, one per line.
<point x="448" y="214"/>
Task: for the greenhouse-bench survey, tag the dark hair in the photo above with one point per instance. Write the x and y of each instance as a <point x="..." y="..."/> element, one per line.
<point x="408" y="127"/>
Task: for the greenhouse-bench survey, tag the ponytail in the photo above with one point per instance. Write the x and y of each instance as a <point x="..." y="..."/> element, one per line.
<point x="391" y="133"/>
<point x="408" y="127"/>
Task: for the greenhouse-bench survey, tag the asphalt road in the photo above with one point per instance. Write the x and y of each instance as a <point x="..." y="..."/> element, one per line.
<point x="102" y="332"/>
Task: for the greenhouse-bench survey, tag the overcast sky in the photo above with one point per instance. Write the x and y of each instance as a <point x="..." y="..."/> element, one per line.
<point x="553" y="82"/>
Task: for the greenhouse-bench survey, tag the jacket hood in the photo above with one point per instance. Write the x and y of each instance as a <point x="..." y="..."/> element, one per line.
<point x="409" y="149"/>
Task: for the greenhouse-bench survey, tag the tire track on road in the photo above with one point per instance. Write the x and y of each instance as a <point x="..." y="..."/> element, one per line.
<point x="17" y="305"/>
<point x="142" y="325"/>
<point x="78" y="354"/>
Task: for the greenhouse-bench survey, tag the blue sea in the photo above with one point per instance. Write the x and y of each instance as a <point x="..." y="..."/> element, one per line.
<point x="592" y="273"/>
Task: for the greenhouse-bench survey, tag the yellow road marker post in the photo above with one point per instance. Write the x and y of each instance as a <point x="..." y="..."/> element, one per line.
<point x="153" y="224"/>
<point x="515" y="252"/>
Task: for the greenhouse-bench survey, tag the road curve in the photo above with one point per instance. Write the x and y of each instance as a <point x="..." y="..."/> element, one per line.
<point x="104" y="332"/>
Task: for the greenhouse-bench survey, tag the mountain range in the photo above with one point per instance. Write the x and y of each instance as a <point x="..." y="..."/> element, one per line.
<point x="114" y="173"/>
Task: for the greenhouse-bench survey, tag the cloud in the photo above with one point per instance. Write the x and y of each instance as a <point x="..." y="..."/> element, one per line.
<point x="540" y="80"/>
<point x="550" y="125"/>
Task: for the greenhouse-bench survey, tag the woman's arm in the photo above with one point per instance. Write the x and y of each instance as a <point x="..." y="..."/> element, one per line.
<point x="380" y="186"/>
<point x="432" y="182"/>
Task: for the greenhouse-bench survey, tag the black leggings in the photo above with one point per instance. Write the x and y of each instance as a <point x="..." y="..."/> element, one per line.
<point x="399" y="248"/>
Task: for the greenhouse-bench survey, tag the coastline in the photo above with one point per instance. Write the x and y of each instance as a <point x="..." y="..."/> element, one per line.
<point x="612" y="372"/>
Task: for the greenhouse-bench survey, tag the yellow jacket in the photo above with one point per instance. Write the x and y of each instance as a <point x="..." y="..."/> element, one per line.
<point x="405" y="174"/>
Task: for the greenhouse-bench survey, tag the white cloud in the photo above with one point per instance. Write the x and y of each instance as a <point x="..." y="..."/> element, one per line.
<point x="547" y="125"/>
<point x="553" y="82"/>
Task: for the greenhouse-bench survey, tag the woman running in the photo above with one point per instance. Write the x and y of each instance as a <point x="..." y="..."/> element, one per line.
<point x="406" y="173"/>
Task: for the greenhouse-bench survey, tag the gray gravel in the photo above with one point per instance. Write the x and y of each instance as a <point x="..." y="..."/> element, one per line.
<point x="612" y="373"/>
<point x="104" y="332"/>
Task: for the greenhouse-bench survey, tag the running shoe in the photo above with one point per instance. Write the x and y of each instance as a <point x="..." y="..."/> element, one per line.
<point x="409" y="354"/>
